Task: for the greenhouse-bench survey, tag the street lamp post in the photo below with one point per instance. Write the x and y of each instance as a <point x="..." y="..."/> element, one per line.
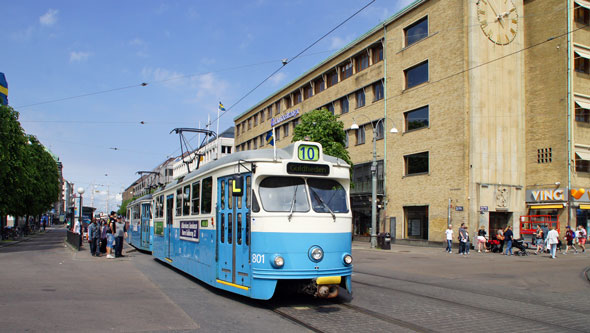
<point x="355" y="126"/>
<point x="81" y="191"/>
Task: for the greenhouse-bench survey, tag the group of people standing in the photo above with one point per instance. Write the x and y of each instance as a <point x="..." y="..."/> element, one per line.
<point x="107" y="236"/>
<point x="544" y="238"/>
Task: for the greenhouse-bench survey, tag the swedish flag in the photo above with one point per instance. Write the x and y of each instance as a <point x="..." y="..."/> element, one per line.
<point x="270" y="138"/>
<point x="3" y="90"/>
<point x="221" y="107"/>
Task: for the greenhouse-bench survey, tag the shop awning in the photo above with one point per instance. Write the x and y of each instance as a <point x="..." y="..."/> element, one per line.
<point x="583" y="155"/>
<point x="552" y="206"/>
<point x="582" y="104"/>
<point x="582" y="52"/>
<point x="584" y="206"/>
<point x="583" y="3"/>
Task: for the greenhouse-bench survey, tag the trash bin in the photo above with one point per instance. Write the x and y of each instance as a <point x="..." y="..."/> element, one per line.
<point x="380" y="240"/>
<point x="386" y="242"/>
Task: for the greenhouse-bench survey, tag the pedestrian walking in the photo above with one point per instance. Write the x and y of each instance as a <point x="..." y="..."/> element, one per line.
<point x="93" y="237"/>
<point x="111" y="237"/>
<point x="569" y="238"/>
<point x="449" y="233"/>
<point x="463" y="240"/>
<point x="481" y="239"/>
<point x="582" y="238"/>
<point x="539" y="239"/>
<point x="552" y="240"/>
<point x="508" y="237"/>
<point x="119" y="237"/>
<point x="103" y="236"/>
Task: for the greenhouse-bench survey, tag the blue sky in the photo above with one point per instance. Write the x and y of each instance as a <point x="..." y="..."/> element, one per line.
<point x="192" y="54"/>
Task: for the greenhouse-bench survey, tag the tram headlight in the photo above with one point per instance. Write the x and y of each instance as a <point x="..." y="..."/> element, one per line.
<point x="278" y="262"/>
<point x="347" y="259"/>
<point x="316" y="253"/>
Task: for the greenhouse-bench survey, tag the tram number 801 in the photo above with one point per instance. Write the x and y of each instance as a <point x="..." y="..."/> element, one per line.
<point x="308" y="153"/>
<point x="257" y="258"/>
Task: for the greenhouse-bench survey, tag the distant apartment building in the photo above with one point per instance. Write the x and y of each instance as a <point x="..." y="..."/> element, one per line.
<point x="491" y="101"/>
<point x="160" y="175"/>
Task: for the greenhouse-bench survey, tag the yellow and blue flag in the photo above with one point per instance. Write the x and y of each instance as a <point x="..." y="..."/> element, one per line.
<point x="3" y="90"/>
<point x="270" y="138"/>
<point x="221" y="107"/>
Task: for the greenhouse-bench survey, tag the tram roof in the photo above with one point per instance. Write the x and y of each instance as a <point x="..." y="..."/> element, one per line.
<point x="250" y="156"/>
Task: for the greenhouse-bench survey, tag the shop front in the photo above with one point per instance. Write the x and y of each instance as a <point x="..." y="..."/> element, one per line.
<point x="581" y="201"/>
<point x="546" y="208"/>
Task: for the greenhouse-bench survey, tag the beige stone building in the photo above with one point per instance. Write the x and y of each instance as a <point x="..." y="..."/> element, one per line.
<point x="491" y="101"/>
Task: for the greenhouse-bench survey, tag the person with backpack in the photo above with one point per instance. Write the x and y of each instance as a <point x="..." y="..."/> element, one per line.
<point x="569" y="238"/>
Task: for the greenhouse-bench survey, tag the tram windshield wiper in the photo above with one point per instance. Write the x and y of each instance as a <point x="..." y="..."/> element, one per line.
<point x="293" y="202"/>
<point x="319" y="199"/>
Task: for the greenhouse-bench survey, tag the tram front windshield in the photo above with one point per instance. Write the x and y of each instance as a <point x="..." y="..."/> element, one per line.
<point x="290" y="194"/>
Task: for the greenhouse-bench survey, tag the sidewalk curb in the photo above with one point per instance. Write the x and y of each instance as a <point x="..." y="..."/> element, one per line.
<point x="24" y="239"/>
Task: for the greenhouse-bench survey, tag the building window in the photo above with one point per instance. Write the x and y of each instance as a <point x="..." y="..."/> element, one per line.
<point x="582" y="165"/>
<point x="346" y="139"/>
<point x="278" y="107"/>
<point x="582" y="114"/>
<point x="377" y="91"/>
<point x="544" y="155"/>
<point x="269" y="113"/>
<point x="319" y="85"/>
<point x="256" y="120"/>
<point x="287" y="104"/>
<point x="329" y="107"/>
<point x="361" y="61"/>
<point x="249" y="144"/>
<point x="416" y="119"/>
<point x="416" y="222"/>
<point x="296" y="97"/>
<point x="286" y="130"/>
<point x="278" y="134"/>
<point x="378" y="128"/>
<point x="295" y="123"/>
<point x="261" y="138"/>
<point x="307" y="92"/>
<point x="582" y="61"/>
<point x="346" y="71"/>
<point x="417" y="31"/>
<point x="360" y="135"/>
<point x="332" y="78"/>
<point x="249" y="123"/>
<point x="377" y="53"/>
<point x="360" y="98"/>
<point x="416" y="75"/>
<point x="581" y="14"/>
<point x="244" y="127"/>
<point x="344" y="105"/>
<point x="238" y="129"/>
<point x="416" y="163"/>
<point x="262" y="113"/>
<point x="362" y="178"/>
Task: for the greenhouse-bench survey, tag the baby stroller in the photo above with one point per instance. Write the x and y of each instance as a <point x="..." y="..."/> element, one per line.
<point x="493" y="245"/>
<point x="519" y="244"/>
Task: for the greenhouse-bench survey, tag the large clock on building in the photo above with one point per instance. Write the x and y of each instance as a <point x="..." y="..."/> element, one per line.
<point x="498" y="20"/>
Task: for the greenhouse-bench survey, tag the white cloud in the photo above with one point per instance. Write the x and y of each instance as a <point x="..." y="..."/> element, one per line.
<point x="340" y="42"/>
<point x="49" y="18"/>
<point x="79" y="56"/>
<point x="278" y="78"/>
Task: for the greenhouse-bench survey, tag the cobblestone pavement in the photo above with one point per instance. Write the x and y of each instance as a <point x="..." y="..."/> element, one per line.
<point x="49" y="287"/>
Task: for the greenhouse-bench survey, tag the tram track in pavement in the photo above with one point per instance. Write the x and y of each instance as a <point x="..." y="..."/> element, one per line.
<point x="325" y="315"/>
<point x="536" y="318"/>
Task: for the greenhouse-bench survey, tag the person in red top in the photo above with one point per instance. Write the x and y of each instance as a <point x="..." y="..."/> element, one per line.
<point x="569" y="238"/>
<point x="582" y="238"/>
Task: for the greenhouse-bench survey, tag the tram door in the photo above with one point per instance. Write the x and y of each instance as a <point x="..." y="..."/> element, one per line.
<point x="233" y="229"/>
<point x="145" y="225"/>
<point x="168" y="232"/>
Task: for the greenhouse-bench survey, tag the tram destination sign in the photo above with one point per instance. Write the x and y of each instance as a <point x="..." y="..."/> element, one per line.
<point x="308" y="169"/>
<point x="189" y="230"/>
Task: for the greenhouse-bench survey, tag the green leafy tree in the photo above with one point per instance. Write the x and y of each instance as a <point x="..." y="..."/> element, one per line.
<point x="323" y="127"/>
<point x="123" y="209"/>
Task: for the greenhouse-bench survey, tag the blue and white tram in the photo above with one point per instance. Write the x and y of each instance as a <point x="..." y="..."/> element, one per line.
<point x="253" y="219"/>
<point x="139" y="234"/>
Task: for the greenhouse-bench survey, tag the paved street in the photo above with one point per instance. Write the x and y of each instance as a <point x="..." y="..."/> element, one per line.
<point x="46" y="286"/>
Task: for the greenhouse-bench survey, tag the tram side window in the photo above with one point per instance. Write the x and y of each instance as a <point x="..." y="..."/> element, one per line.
<point x="283" y="194"/>
<point x="327" y="196"/>
<point x="161" y="206"/>
<point x="186" y="200"/>
<point x="196" y="197"/>
<point x="207" y="194"/>
<point x="178" y="201"/>
<point x="248" y="191"/>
